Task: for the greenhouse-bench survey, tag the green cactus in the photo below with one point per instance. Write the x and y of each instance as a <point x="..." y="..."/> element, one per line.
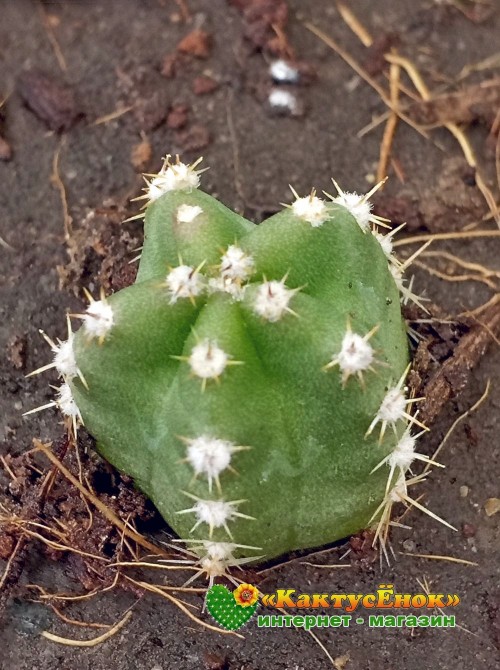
<point x="251" y="380"/>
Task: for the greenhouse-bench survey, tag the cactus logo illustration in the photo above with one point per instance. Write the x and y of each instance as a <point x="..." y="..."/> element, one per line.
<point x="232" y="610"/>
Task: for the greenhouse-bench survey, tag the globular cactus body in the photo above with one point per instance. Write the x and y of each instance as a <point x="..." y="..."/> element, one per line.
<point x="244" y="381"/>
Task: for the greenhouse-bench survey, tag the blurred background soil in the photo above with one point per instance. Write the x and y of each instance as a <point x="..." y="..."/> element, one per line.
<point x="96" y="93"/>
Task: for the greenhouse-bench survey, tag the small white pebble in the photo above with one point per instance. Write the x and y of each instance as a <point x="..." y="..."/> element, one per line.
<point x="283" y="72"/>
<point x="464" y="491"/>
<point x="282" y="100"/>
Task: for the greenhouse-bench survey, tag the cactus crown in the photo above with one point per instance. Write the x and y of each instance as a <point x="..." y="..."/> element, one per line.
<point x="251" y="381"/>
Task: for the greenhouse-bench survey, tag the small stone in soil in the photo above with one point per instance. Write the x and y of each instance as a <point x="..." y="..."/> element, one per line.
<point x="203" y="85"/>
<point x="177" y="117"/>
<point x="197" y="43"/>
<point x="468" y="530"/>
<point x="194" y="139"/>
<point x="5" y="150"/>
<point x="150" y="112"/>
<point x="169" y="64"/>
<point x="49" y="100"/>
<point x="141" y="154"/>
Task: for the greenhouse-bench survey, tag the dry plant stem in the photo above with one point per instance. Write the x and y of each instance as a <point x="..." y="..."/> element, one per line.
<point x="52" y="39"/>
<point x="57" y="546"/>
<point x="425" y="584"/>
<point x="16" y="560"/>
<point x="75" y="622"/>
<point x="435" y="557"/>
<point x="354" y="24"/>
<point x="391" y="125"/>
<point x="58" y="183"/>
<point x="364" y="75"/>
<point x="475" y="267"/>
<point x="184" y="9"/>
<point x="88" y="643"/>
<point x="5" y="245"/>
<point x="107" y="118"/>
<point x="317" y="565"/>
<point x="455" y="278"/>
<point x="98" y="504"/>
<point x="453" y="375"/>
<point x="86" y="596"/>
<point x="488" y="63"/>
<point x="497" y="153"/>
<point x="453" y="128"/>
<point x="468" y="235"/>
<point x="457" y="421"/>
<point x="6" y="572"/>
<point x="155" y="589"/>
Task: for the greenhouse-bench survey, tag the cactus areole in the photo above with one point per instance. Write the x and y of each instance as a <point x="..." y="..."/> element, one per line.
<point x="251" y="381"/>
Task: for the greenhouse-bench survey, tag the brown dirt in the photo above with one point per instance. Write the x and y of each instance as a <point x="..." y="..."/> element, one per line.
<point x="114" y="53"/>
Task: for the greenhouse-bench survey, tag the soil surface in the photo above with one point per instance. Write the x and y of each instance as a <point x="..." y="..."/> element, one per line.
<point x="66" y="68"/>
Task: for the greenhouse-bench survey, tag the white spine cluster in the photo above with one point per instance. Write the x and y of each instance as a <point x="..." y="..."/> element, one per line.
<point x="236" y="265"/>
<point x="98" y="319"/>
<point x="273" y="299"/>
<point x="359" y="206"/>
<point x="207" y="360"/>
<point x="385" y="242"/>
<point x="360" y="209"/>
<point x="356" y="355"/>
<point x="184" y="281"/>
<point x="172" y="177"/>
<point x="64" y="359"/>
<point x="225" y="285"/>
<point x="404" y="453"/>
<point x="399" y="492"/>
<point x="215" y="513"/>
<point x="393" y="407"/>
<point x="188" y="213"/>
<point x="216" y="558"/>
<point x="312" y="209"/>
<point x="66" y="402"/>
<point x="209" y="456"/>
<point x="405" y="291"/>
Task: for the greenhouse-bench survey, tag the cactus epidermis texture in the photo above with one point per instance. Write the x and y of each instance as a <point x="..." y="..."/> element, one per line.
<point x="244" y="381"/>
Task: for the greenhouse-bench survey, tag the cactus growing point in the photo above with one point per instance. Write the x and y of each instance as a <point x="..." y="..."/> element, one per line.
<point x="251" y="381"/>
